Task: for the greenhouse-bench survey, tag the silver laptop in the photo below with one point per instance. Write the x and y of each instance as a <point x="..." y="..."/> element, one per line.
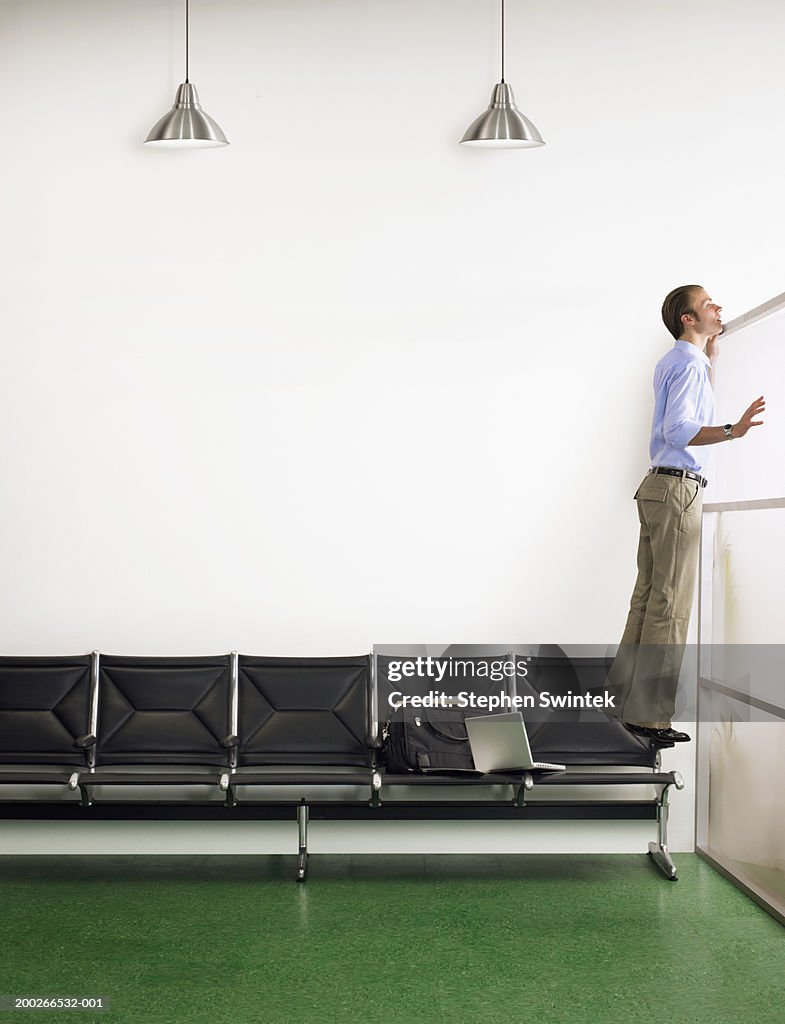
<point x="500" y="744"/>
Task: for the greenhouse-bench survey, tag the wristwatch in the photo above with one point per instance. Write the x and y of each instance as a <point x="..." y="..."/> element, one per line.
<point x="728" y="428"/>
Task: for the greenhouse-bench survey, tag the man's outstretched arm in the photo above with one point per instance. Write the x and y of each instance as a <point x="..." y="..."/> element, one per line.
<point x="713" y="435"/>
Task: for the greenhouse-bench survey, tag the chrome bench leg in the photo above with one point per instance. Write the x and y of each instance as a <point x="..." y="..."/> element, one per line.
<point x="302" y="828"/>
<point x="659" y="851"/>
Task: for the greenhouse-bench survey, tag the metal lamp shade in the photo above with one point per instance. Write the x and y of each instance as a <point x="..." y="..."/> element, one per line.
<point x="186" y="125"/>
<point x="502" y="125"/>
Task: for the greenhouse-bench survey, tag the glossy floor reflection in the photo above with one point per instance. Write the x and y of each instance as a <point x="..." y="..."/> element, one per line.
<point x="389" y="940"/>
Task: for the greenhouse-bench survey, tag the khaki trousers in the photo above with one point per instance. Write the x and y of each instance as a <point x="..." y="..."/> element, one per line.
<point x="644" y="676"/>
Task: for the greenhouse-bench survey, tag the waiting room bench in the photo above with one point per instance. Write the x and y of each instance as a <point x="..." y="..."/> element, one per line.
<point x="279" y="738"/>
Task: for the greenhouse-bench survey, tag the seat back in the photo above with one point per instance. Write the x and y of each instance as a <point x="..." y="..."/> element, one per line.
<point x="579" y="736"/>
<point x="303" y="711"/>
<point x="163" y="710"/>
<point x="44" y="708"/>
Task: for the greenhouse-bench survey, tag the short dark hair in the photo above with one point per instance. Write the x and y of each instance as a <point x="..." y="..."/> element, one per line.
<point x="676" y="304"/>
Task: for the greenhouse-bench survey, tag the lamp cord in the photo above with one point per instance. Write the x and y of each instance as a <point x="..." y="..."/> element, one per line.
<point x="186" y="41"/>
<point x="503" y="40"/>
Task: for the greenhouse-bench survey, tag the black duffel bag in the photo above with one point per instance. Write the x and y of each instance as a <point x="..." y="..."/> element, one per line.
<point x="426" y="740"/>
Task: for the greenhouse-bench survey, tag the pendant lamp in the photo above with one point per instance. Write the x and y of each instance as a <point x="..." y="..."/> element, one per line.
<point x="502" y="125"/>
<point x="186" y="125"/>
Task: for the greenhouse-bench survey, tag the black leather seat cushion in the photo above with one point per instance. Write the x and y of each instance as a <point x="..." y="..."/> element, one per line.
<point x="44" y="708"/>
<point x="163" y="710"/>
<point x="578" y="736"/>
<point x="304" y="711"/>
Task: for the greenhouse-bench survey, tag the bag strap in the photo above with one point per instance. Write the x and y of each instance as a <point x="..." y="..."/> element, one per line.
<point x="446" y="735"/>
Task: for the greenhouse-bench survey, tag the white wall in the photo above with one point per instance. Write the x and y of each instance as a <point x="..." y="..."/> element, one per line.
<point x="345" y="381"/>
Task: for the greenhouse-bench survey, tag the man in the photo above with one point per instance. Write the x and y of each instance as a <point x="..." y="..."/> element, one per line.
<point x="645" y="674"/>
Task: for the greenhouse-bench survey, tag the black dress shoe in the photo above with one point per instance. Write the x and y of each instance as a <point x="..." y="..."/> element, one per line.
<point x="665" y="737"/>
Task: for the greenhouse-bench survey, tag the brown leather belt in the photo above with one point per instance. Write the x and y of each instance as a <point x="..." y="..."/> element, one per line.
<point x="671" y="471"/>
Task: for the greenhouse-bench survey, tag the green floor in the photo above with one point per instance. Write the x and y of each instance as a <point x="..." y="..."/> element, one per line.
<point x="388" y="940"/>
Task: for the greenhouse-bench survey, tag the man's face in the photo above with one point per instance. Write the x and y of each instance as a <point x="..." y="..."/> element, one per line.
<point x="707" y="320"/>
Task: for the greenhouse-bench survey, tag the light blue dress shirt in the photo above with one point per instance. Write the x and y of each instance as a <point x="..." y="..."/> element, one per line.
<point x="683" y="403"/>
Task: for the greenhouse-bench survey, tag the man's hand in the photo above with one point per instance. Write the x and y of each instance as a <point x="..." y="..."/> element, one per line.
<point x="712" y="349"/>
<point x="712" y="352"/>
<point x="748" y="417"/>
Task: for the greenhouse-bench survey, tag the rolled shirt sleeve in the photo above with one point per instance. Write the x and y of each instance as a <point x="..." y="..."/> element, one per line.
<point x="682" y="419"/>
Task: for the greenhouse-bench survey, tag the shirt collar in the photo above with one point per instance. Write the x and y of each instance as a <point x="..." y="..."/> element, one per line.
<point x="693" y="350"/>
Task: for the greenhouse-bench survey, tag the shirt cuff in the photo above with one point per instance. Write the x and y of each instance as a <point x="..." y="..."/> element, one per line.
<point x="680" y="435"/>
